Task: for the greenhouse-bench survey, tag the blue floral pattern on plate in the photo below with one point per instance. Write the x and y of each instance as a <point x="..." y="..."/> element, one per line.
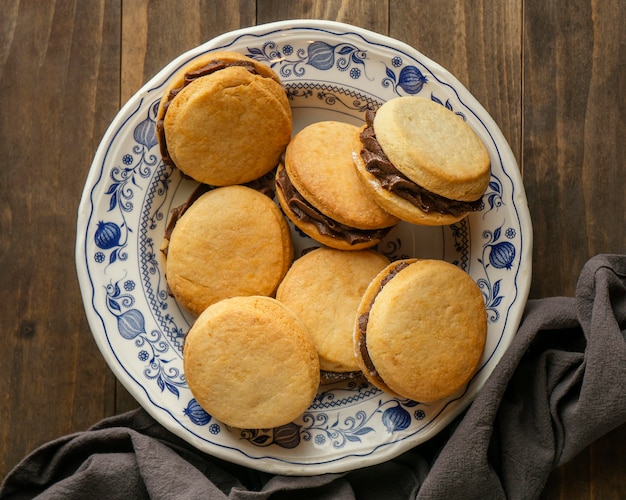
<point x="330" y="71"/>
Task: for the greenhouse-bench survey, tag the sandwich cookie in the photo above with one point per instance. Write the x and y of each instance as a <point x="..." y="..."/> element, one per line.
<point x="421" y="329"/>
<point x="421" y="162"/>
<point x="324" y="288"/>
<point x="231" y="241"/>
<point x="224" y="119"/>
<point x="250" y="363"/>
<point x="319" y="190"/>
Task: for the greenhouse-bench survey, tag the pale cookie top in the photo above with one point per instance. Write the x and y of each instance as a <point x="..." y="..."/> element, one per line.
<point x="427" y="330"/>
<point x="250" y="363"/>
<point x="203" y="60"/>
<point x="433" y="147"/>
<point x="231" y="241"/>
<point x="229" y="127"/>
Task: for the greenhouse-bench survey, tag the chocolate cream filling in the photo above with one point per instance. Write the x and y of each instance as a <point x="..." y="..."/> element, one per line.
<point x="328" y="377"/>
<point x="190" y="76"/>
<point x="326" y="226"/>
<point x="391" y="179"/>
<point x="364" y="319"/>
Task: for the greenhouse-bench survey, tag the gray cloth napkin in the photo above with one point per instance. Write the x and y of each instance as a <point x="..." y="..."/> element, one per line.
<point x="560" y="386"/>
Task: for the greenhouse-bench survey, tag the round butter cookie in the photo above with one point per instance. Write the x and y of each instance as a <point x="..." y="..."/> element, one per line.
<point x="250" y="363"/>
<point x="324" y="288"/>
<point x="421" y="329"/>
<point x="224" y="119"/>
<point x="421" y="162"/>
<point x="319" y="189"/>
<point x="231" y="241"/>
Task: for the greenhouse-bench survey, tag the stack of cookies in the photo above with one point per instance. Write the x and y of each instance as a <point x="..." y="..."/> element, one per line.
<point x="269" y="329"/>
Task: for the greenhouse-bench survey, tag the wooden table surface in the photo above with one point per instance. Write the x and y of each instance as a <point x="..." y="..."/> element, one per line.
<point x="551" y="74"/>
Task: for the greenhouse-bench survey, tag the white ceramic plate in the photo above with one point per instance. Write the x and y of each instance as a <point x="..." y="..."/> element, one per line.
<point x="331" y="71"/>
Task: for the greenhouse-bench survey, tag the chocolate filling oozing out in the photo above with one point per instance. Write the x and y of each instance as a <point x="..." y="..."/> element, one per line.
<point x="190" y="76"/>
<point x="328" y="377"/>
<point x="362" y="325"/>
<point x="391" y="179"/>
<point x="326" y="226"/>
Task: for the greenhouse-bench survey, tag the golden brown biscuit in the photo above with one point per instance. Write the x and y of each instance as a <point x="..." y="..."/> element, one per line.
<point x="324" y="288"/>
<point x="421" y="162"/>
<point x="231" y="241"/>
<point x="250" y="363"/>
<point x="224" y="119"/>
<point x="320" y="192"/>
<point x="421" y="329"/>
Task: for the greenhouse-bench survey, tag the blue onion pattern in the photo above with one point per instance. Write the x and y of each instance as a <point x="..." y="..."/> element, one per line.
<point x="319" y="55"/>
<point x="447" y="105"/>
<point x="196" y="413"/>
<point x="108" y="235"/>
<point x="124" y="181"/>
<point x="410" y="80"/>
<point x="131" y="323"/>
<point x="493" y="195"/>
<point x="287" y="436"/>
<point x="498" y="255"/>
<point x="337" y="433"/>
<point x="396" y="418"/>
<point x="502" y="255"/>
<point x="145" y="133"/>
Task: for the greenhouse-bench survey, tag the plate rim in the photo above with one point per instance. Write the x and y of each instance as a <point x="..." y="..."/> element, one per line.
<point x="331" y="28"/>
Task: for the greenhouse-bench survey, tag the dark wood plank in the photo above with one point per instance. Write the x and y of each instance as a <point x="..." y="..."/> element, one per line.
<point x="608" y="466"/>
<point x="573" y="151"/>
<point x="368" y="14"/>
<point x="60" y="85"/>
<point x="154" y="33"/>
<point x="574" y="110"/>
<point x="552" y="76"/>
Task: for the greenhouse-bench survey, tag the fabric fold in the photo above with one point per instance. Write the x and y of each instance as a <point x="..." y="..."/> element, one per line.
<point x="560" y="386"/>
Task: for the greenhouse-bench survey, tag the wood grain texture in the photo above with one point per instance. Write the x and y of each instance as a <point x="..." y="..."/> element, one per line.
<point x="551" y="74"/>
<point x="574" y="129"/>
<point x="574" y="111"/>
<point x="368" y="14"/>
<point x="59" y="77"/>
<point x="154" y="33"/>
